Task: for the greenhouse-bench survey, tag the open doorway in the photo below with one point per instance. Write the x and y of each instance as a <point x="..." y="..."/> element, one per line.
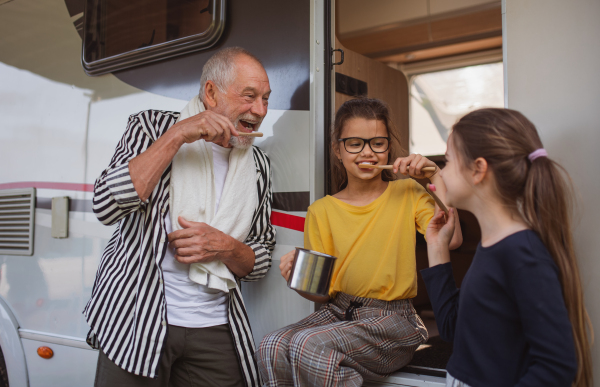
<point x="432" y="61"/>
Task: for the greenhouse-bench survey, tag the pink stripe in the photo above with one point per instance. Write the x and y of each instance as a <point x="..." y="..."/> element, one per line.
<point x="49" y="185"/>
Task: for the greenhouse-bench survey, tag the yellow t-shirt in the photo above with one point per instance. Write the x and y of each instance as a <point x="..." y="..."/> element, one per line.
<point x="374" y="244"/>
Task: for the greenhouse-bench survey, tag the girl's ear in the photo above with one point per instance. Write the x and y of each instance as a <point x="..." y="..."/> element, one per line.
<point x="210" y="94"/>
<point x="480" y="170"/>
<point x="336" y="149"/>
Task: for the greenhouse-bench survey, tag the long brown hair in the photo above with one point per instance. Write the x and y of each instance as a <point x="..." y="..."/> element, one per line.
<point x="370" y="109"/>
<point x="540" y="191"/>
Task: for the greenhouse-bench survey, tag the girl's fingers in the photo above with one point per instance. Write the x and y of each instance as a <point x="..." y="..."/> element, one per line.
<point x="451" y="215"/>
<point x="450" y="221"/>
<point x="286" y="264"/>
<point x="283" y="264"/>
<point x="439" y="217"/>
<point x="415" y="168"/>
<point x="403" y="169"/>
<point x="422" y="162"/>
<point x="397" y="164"/>
<point x="286" y="270"/>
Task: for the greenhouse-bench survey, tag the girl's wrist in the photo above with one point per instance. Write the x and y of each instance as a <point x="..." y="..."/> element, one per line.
<point x="438" y="254"/>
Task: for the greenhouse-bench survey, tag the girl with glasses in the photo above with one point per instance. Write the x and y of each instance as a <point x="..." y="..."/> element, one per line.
<point x="367" y="325"/>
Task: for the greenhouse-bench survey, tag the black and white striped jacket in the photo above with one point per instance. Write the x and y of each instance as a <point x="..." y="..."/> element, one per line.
<point x="127" y="310"/>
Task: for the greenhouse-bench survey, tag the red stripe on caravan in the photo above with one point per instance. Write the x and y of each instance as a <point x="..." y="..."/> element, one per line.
<point x="288" y="221"/>
<point x="280" y="219"/>
<point x="49" y="185"/>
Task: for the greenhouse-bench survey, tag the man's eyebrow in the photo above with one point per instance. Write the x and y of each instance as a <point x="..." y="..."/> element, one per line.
<point x="252" y="89"/>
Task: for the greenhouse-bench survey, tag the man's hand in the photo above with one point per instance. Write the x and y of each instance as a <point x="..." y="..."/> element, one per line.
<point x="147" y="168"/>
<point x="199" y="242"/>
<point x="209" y="126"/>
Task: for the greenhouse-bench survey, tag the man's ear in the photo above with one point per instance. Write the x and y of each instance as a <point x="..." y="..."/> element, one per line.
<point x="210" y="94"/>
<point x="480" y="170"/>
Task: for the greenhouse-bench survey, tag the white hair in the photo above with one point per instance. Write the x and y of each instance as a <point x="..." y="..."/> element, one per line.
<point x="220" y="68"/>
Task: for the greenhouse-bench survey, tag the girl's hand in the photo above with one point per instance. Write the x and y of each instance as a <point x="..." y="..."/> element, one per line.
<point x="440" y="230"/>
<point x="411" y="166"/>
<point x="286" y="264"/>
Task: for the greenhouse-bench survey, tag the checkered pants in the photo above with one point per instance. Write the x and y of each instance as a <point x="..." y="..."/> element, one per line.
<point x="347" y="339"/>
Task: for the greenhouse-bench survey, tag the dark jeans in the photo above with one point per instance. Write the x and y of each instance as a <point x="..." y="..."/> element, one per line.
<point x="191" y="357"/>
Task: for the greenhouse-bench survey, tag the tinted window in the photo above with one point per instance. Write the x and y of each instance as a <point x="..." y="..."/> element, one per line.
<point x="120" y="34"/>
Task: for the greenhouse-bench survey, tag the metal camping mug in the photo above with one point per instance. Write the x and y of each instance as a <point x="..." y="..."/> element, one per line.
<point x="311" y="272"/>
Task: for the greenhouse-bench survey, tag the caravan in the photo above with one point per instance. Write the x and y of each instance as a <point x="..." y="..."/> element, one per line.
<point x="72" y="71"/>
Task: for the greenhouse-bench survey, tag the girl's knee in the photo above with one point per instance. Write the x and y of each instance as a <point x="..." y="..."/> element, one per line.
<point x="303" y="343"/>
<point x="274" y="343"/>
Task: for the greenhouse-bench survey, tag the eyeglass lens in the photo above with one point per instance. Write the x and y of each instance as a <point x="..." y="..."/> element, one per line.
<point x="356" y="145"/>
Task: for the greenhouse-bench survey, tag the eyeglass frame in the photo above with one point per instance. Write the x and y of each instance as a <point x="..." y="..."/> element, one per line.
<point x="365" y="141"/>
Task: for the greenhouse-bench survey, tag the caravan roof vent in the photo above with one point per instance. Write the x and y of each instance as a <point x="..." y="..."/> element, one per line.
<point x="17" y="219"/>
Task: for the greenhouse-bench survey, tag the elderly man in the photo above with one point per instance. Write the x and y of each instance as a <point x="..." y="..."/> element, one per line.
<point x="193" y="200"/>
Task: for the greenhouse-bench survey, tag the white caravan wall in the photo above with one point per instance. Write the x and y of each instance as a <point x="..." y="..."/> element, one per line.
<point x="552" y="57"/>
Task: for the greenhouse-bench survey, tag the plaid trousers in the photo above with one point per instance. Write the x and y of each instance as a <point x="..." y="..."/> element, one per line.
<point x="347" y="339"/>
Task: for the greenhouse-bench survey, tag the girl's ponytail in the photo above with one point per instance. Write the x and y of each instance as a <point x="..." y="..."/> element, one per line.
<point x="546" y="207"/>
<point x="539" y="190"/>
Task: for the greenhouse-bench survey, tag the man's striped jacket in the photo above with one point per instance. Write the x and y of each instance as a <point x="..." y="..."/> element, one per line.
<point x="127" y="310"/>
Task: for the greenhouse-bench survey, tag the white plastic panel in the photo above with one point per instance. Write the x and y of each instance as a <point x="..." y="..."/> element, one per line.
<point x="69" y="367"/>
<point x="11" y="347"/>
<point x="406" y="379"/>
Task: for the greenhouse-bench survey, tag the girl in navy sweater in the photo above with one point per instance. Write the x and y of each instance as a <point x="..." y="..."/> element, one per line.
<point x="518" y="318"/>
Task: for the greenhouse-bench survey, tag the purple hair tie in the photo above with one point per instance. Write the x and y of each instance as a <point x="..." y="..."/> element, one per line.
<point x="537" y="153"/>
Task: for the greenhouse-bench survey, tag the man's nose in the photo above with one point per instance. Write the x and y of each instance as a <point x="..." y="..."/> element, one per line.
<point x="259" y="107"/>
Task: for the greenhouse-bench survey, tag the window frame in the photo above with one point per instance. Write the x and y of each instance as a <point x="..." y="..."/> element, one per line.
<point x="157" y="52"/>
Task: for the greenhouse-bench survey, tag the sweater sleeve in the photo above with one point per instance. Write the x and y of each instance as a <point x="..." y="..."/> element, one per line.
<point x="545" y="324"/>
<point x="443" y="295"/>
<point x="114" y="194"/>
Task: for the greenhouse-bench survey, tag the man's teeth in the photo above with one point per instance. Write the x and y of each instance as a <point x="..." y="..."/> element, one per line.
<point x="247" y="125"/>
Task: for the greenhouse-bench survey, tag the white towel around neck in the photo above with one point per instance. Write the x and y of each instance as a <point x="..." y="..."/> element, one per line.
<point x="192" y="196"/>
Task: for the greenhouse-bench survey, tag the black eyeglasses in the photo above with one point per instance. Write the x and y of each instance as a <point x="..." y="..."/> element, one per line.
<point x="357" y="144"/>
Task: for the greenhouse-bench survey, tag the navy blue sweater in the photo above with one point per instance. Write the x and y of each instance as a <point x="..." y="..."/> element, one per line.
<point x="508" y="322"/>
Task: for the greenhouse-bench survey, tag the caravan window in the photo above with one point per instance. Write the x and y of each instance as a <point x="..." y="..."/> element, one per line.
<point x="438" y="99"/>
<point x="120" y="34"/>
